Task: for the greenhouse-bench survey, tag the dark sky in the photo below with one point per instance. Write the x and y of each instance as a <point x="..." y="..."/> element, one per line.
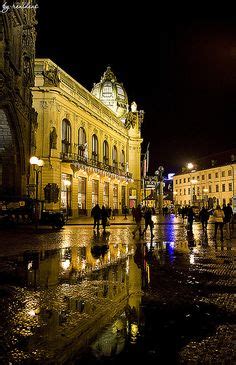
<point x="180" y="69"/>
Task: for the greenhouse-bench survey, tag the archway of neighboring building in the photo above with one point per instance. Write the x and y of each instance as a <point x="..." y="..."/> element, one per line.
<point x="10" y="163"/>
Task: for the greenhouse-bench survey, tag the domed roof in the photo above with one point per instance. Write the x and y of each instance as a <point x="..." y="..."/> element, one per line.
<point x="112" y="93"/>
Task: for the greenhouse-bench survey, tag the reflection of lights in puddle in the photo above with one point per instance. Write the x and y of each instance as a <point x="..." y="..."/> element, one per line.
<point x="65" y="264"/>
<point x="83" y="264"/>
<point x="34" y="312"/>
<point x="134" y="332"/>
<point x="31" y="313"/>
<point x="171" y="243"/>
<point x="30" y="265"/>
<point x="191" y="258"/>
<point x="127" y="266"/>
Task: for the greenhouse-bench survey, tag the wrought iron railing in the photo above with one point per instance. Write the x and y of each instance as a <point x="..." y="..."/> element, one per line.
<point x="75" y="158"/>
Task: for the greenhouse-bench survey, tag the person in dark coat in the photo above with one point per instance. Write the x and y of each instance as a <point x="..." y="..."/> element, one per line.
<point x="204" y="216"/>
<point x="104" y="216"/>
<point x="96" y="214"/>
<point x="228" y="212"/>
<point x="148" y="221"/>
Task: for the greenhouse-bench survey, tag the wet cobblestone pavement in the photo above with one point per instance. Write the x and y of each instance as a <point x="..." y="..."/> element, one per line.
<point x="76" y="297"/>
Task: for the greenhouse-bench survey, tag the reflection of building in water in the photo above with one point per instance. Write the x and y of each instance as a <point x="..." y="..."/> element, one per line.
<point x="75" y="291"/>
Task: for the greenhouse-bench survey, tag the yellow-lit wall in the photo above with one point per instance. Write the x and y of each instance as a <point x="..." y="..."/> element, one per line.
<point x="58" y="96"/>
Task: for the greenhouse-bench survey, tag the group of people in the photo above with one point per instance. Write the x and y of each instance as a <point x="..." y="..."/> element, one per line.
<point x="101" y="214"/>
<point x="221" y="217"/>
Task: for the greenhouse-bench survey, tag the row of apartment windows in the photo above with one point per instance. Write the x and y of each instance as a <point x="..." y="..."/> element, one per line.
<point x="223" y="174"/>
<point x="66" y="146"/>
<point x="210" y="190"/>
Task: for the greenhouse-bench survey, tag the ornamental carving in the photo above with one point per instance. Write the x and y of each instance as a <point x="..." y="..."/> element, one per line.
<point x="44" y="104"/>
<point x="130" y="120"/>
<point x="51" y="77"/>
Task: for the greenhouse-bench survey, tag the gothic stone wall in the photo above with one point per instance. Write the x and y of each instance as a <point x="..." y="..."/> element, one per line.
<point x="18" y="120"/>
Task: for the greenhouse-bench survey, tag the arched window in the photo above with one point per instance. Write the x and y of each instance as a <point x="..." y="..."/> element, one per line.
<point x="114" y="156"/>
<point x="81" y="142"/>
<point x="95" y="147"/>
<point x="122" y="160"/>
<point x="66" y="136"/>
<point x="105" y="153"/>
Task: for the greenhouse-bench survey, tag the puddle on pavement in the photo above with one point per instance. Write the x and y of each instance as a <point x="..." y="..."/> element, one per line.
<point x="116" y="300"/>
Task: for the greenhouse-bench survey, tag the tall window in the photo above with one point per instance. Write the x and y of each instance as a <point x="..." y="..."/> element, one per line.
<point x="82" y="193"/>
<point x="81" y="141"/>
<point x="94" y="192"/>
<point x="95" y="147"/>
<point x="122" y="160"/>
<point x="114" y="156"/>
<point x="66" y="136"/>
<point x="66" y="191"/>
<point x="105" y="153"/>
<point x="106" y="194"/>
<point x="115" y="196"/>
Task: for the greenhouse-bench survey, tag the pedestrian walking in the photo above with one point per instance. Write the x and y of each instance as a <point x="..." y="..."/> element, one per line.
<point x="126" y="211"/>
<point x="104" y="216"/>
<point x="228" y="212"/>
<point x="138" y="218"/>
<point x="204" y="217"/>
<point x="219" y="221"/>
<point x="96" y="214"/>
<point x="148" y="221"/>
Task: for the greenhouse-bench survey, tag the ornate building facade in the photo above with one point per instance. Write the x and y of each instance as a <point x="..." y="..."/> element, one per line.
<point x="90" y="142"/>
<point x="18" y="119"/>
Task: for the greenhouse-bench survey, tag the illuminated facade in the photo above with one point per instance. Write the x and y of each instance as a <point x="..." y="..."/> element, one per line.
<point x="90" y="142"/>
<point x="209" y="187"/>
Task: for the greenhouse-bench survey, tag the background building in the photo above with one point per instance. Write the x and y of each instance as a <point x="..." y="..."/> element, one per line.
<point x="89" y="142"/>
<point x="208" y="186"/>
<point x="18" y="119"/>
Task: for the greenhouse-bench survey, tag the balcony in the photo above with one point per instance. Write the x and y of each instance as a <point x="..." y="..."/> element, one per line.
<point x="93" y="162"/>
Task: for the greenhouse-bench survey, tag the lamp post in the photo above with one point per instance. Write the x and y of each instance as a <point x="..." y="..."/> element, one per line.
<point x="67" y="184"/>
<point x="193" y="183"/>
<point x="37" y="166"/>
<point x="159" y="187"/>
<point x="205" y="191"/>
<point x="190" y="167"/>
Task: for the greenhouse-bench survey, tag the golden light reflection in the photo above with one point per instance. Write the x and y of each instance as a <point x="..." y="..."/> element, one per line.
<point x="65" y="264"/>
<point x="191" y="259"/>
<point x="30" y="265"/>
<point x="134" y="330"/>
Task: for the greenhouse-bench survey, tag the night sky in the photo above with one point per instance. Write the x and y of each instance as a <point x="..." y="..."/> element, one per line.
<point x="181" y="70"/>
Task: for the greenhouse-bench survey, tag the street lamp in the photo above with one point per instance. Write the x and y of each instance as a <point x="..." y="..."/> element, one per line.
<point x="67" y="185"/>
<point x="190" y="165"/>
<point x="37" y="166"/>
